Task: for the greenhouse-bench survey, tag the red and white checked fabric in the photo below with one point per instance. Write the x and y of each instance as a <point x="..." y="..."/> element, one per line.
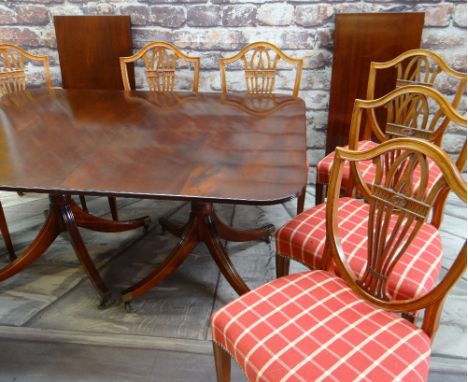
<point x="312" y="327"/>
<point x="303" y="240"/>
<point x="368" y="169"/>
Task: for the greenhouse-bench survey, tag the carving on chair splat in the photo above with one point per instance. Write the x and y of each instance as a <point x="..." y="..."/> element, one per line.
<point x="160" y="59"/>
<point x="12" y="75"/>
<point x="400" y="191"/>
<point x="12" y="69"/>
<point x="260" y="70"/>
<point x="160" y="69"/>
<point x="418" y="71"/>
<point x="260" y="64"/>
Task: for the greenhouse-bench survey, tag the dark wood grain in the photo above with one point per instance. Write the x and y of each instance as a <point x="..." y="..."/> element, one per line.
<point x="89" y="49"/>
<point x="138" y="144"/>
<point x="360" y="39"/>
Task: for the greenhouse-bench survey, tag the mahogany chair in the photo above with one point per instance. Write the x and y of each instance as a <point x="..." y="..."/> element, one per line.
<point x="13" y="79"/>
<point x="315" y="325"/>
<point x="303" y="239"/>
<point x="261" y="62"/>
<point x="160" y="59"/>
<point x="414" y="67"/>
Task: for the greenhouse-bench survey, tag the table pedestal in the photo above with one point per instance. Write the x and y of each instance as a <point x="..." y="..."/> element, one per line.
<point x="65" y="216"/>
<point x="203" y="226"/>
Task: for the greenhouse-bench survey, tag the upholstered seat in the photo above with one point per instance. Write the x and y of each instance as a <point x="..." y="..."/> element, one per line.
<point x="311" y="327"/>
<point x="303" y="240"/>
<point x="346" y="325"/>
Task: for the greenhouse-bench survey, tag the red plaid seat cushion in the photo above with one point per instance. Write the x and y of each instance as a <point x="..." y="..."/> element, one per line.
<point x="303" y="240"/>
<point x="367" y="168"/>
<point x="311" y="327"/>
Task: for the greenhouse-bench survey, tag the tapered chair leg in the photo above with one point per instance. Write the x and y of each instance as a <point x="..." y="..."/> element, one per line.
<point x="319" y="197"/>
<point x="113" y="207"/>
<point x="282" y="266"/>
<point x="222" y="363"/>
<point x="84" y="206"/>
<point x="301" y="201"/>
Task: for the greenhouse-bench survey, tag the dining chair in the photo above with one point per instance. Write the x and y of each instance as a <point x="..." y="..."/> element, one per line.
<point x="414" y="67"/>
<point x="261" y="62"/>
<point x="160" y="60"/>
<point x="13" y="62"/>
<point x="303" y="239"/>
<point x="12" y="68"/>
<point x="317" y="326"/>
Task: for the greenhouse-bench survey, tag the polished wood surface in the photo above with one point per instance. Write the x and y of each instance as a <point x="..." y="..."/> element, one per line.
<point x="197" y="147"/>
<point x="89" y="49"/>
<point x="125" y="143"/>
<point x="360" y="39"/>
<point x="160" y="60"/>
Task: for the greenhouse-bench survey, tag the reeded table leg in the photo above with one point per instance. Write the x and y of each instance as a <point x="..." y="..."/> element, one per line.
<point x="65" y="216"/>
<point x="203" y="226"/>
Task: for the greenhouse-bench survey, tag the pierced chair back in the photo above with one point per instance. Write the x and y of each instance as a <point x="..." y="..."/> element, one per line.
<point x="160" y="60"/>
<point x="420" y="67"/>
<point x="400" y="199"/>
<point x="412" y="111"/>
<point x="12" y="68"/>
<point x="260" y="62"/>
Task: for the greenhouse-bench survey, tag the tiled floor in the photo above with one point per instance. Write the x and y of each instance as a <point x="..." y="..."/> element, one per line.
<point x="53" y="331"/>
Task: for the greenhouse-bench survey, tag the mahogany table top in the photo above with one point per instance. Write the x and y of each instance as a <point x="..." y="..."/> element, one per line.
<point x="141" y="144"/>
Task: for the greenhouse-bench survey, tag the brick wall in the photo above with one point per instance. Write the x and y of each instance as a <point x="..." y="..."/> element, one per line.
<point x="216" y="28"/>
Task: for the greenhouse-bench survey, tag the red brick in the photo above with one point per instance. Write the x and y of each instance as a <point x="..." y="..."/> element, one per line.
<point x="23" y="37"/>
<point x="32" y="15"/>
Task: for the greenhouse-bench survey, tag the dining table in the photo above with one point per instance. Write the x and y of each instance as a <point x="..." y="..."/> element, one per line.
<point x="202" y="148"/>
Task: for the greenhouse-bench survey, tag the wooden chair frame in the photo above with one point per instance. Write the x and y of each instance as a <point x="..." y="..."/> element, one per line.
<point x="408" y="72"/>
<point x="160" y="66"/>
<point x="446" y="111"/>
<point x="265" y="68"/>
<point x="406" y="75"/>
<point x="431" y="302"/>
<point x="13" y="78"/>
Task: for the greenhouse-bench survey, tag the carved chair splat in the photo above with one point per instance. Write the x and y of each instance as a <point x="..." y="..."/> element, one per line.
<point x="160" y="59"/>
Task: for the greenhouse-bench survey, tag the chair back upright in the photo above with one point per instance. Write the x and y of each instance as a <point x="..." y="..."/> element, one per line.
<point x="12" y="68"/>
<point x="400" y="199"/>
<point x="160" y="61"/>
<point x="260" y="63"/>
